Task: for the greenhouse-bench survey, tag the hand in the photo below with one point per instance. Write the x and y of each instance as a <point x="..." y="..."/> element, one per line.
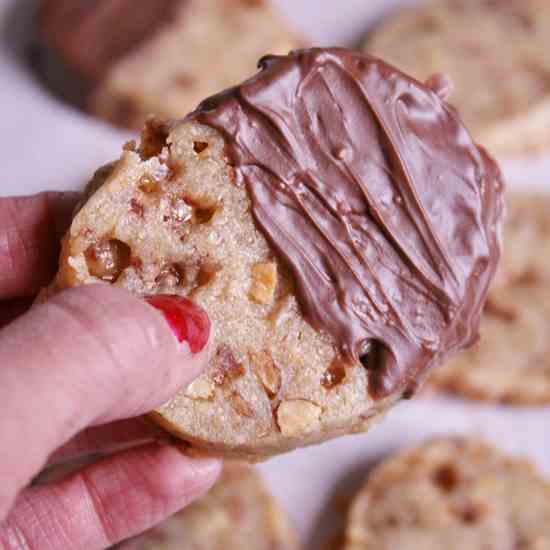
<point x="75" y="374"/>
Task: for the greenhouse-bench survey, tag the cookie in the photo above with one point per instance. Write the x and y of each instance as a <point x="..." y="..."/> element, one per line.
<point x="452" y="494"/>
<point x="237" y="513"/>
<point x="124" y="63"/>
<point x="494" y="52"/>
<point x="341" y="238"/>
<point x="511" y="363"/>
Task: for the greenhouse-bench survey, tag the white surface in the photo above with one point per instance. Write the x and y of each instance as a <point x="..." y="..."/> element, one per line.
<point x="44" y="145"/>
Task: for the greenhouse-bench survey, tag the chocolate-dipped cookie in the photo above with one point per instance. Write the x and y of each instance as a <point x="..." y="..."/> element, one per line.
<point x="237" y="514"/>
<point x="494" y="52"/>
<point x="334" y="219"/>
<point x="453" y="494"/>
<point x="124" y="60"/>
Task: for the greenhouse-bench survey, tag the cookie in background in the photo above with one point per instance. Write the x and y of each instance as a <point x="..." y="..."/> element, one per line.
<point x="511" y="362"/>
<point x="124" y="63"/>
<point x="454" y="494"/>
<point x="237" y="514"/>
<point x="495" y="53"/>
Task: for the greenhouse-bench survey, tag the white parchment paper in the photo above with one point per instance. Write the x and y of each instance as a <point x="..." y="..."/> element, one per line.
<point x="47" y="145"/>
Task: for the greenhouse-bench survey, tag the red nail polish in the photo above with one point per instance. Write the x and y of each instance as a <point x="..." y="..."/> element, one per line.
<point x="188" y="321"/>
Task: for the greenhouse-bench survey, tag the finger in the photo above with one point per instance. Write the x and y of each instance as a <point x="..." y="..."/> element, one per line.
<point x="108" y="501"/>
<point x="30" y="231"/>
<point x="89" y="356"/>
<point x="108" y="438"/>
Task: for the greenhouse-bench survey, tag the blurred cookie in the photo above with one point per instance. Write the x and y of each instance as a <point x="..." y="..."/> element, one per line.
<point x="511" y="362"/>
<point x="495" y="53"/>
<point x="337" y="268"/>
<point x="237" y="514"/>
<point x="124" y="61"/>
<point x="451" y="494"/>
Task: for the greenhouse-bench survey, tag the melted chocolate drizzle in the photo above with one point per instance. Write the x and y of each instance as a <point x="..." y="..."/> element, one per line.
<point x="370" y="188"/>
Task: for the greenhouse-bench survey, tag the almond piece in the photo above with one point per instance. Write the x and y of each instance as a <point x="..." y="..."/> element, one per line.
<point x="264" y="282"/>
<point x="297" y="417"/>
<point x="201" y="388"/>
<point x="228" y="367"/>
<point x="240" y="406"/>
<point x="267" y="371"/>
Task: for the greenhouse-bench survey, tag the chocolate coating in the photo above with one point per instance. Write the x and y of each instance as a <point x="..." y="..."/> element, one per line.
<point x="371" y="190"/>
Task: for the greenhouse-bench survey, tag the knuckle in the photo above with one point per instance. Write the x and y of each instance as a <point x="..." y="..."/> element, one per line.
<point x="104" y="525"/>
<point x="12" y="538"/>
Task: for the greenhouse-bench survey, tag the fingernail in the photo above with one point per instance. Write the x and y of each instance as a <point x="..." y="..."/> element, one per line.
<point x="188" y="321"/>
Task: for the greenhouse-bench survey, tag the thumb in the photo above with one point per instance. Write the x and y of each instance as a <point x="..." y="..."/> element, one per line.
<point x="90" y="355"/>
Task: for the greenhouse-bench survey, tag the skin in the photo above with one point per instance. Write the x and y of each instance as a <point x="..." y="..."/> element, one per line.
<point x="76" y="374"/>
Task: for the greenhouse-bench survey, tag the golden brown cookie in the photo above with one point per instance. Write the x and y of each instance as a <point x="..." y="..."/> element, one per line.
<point x="494" y="52"/>
<point x="451" y="494"/>
<point x="511" y="362"/>
<point x="336" y="273"/>
<point x="237" y="514"/>
<point x="125" y="61"/>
